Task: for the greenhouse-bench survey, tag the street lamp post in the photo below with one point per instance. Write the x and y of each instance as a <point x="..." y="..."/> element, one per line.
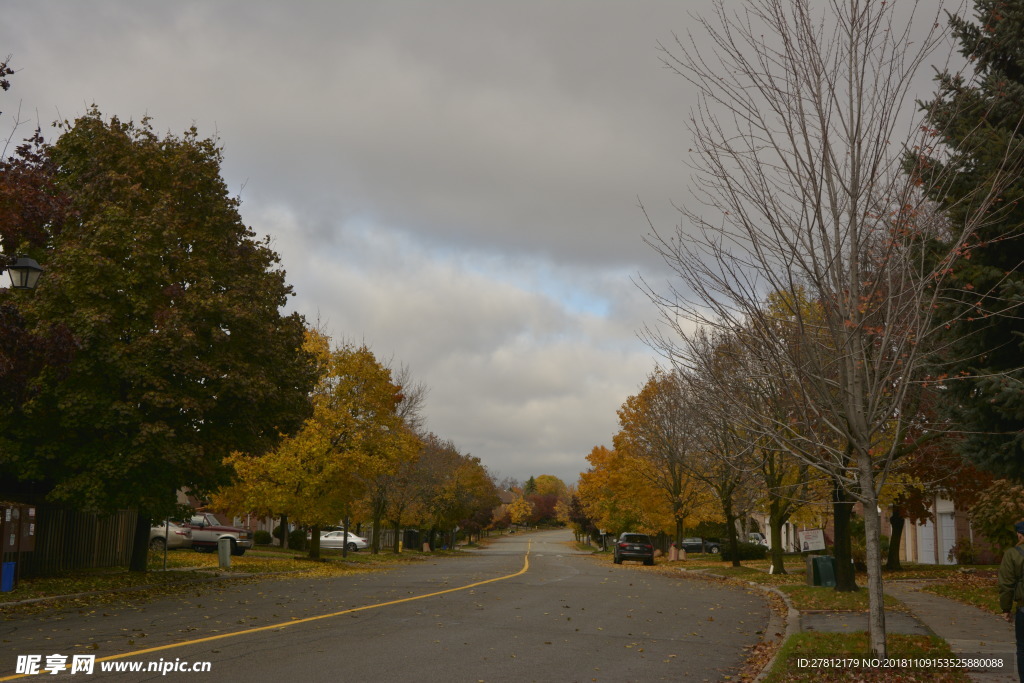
<point x="24" y="272"/>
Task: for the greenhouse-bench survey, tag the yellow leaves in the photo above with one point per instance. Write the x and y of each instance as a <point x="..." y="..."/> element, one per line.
<point x="550" y="485"/>
<point x="615" y="498"/>
<point x="318" y="345"/>
<point x="520" y="510"/>
<point x="316" y="474"/>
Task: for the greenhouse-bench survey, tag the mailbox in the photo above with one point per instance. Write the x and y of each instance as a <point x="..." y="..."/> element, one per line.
<point x="11" y="528"/>
<point x="17" y="535"/>
<point x="27" y="536"/>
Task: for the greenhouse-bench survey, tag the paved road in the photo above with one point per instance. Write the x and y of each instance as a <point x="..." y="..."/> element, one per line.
<point x="528" y="608"/>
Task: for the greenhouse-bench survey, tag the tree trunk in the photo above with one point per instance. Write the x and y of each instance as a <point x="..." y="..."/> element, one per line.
<point x="897" y="521"/>
<point x="140" y="543"/>
<point x="730" y="522"/>
<point x="872" y="531"/>
<point x="344" y="541"/>
<point x="775" y="523"/>
<point x="379" y="504"/>
<point x="284" y="531"/>
<point x="397" y="528"/>
<point x="314" y="542"/>
<point x="842" y="509"/>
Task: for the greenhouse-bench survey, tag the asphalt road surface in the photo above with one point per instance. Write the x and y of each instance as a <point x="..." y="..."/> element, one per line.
<point x="527" y="608"/>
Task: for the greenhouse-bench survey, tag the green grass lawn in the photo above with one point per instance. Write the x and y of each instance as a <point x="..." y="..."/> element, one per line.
<point x="806" y="597"/>
<point x="186" y="567"/>
<point x="810" y="645"/>
<point x="971" y="585"/>
<point x="85" y="581"/>
<point x="749" y="573"/>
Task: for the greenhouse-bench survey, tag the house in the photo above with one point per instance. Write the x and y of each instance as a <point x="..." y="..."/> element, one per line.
<point x="934" y="541"/>
<point x="931" y="541"/>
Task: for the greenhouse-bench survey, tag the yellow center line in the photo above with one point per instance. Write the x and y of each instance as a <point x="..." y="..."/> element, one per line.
<point x="285" y="624"/>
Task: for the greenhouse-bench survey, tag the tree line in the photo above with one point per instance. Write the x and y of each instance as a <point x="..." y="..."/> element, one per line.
<point x="154" y="355"/>
<point x="841" y="320"/>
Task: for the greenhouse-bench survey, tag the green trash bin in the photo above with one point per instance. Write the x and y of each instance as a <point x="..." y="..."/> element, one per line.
<point x="821" y="570"/>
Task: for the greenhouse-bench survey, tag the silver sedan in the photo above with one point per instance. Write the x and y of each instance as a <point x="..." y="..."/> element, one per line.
<point x="173" y="536"/>
<point x="336" y="539"/>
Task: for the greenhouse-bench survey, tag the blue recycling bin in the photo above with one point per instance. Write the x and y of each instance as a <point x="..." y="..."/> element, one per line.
<point x="7" y="577"/>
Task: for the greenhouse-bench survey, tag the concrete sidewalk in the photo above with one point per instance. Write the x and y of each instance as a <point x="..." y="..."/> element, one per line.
<point x="970" y="631"/>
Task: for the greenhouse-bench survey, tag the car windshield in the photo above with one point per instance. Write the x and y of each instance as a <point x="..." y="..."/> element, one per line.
<point x="635" y="538"/>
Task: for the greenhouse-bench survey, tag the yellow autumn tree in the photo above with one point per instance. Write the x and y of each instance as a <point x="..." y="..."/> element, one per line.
<point x="520" y="510"/>
<point x="316" y="476"/>
<point x="550" y="485"/>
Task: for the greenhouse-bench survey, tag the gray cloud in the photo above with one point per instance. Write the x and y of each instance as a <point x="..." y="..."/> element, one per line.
<point x="453" y="182"/>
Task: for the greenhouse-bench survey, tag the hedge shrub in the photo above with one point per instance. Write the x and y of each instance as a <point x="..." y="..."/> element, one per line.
<point x="297" y="540"/>
<point x="748" y="551"/>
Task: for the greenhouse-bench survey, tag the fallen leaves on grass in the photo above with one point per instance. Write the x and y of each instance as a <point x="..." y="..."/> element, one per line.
<point x="976" y="587"/>
<point x="810" y="645"/>
<point x="187" y="571"/>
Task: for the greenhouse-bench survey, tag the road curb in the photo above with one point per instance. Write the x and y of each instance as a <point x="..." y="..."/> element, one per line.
<point x="792" y="626"/>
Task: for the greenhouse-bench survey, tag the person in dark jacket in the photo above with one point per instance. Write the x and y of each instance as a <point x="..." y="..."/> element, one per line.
<point x="1011" y="592"/>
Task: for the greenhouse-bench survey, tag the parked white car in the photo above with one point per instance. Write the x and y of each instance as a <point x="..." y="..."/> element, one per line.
<point x="172" y="535"/>
<point x="336" y="539"/>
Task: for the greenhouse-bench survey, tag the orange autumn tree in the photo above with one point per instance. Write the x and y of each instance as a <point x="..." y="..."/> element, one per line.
<point x="615" y="499"/>
<point x="659" y="441"/>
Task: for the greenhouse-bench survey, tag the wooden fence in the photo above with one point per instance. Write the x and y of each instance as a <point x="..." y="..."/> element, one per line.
<point x="68" y="539"/>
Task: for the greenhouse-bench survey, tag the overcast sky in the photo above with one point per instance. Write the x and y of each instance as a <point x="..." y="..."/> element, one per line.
<point x="454" y="183"/>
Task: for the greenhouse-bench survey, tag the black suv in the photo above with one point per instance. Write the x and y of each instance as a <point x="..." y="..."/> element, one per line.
<point x="633" y="547"/>
<point x="701" y="545"/>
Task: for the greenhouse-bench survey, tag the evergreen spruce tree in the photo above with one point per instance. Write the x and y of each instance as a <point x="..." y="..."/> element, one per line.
<point x="978" y="124"/>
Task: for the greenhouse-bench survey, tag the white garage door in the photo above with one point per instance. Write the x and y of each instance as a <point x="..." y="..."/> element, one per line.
<point x="947" y="536"/>
<point x="926" y="543"/>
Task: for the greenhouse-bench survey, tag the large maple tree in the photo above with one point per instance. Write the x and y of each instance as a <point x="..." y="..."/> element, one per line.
<point x="181" y="351"/>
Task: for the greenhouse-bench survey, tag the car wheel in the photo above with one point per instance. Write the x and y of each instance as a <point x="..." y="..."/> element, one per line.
<point x="714" y="549"/>
<point x="617" y="560"/>
<point x="352" y="547"/>
<point x="235" y="550"/>
<point x="649" y="562"/>
<point x="157" y="544"/>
